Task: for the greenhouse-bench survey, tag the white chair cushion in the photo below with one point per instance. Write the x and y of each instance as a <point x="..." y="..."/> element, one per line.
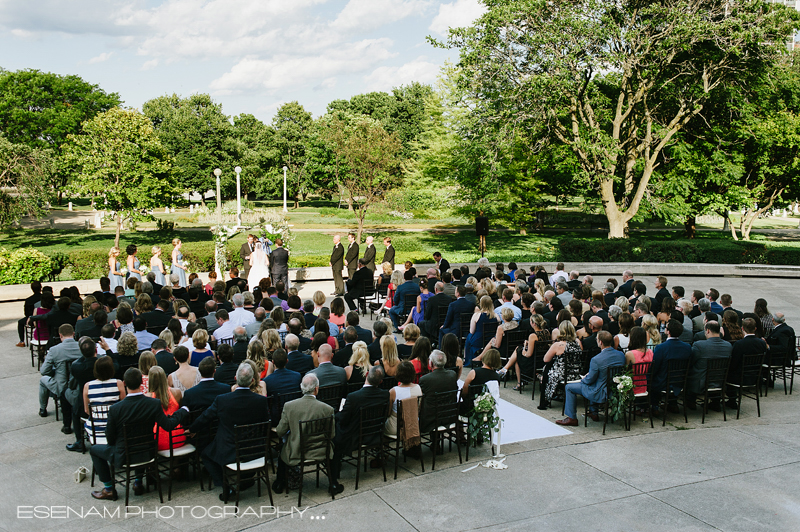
<point x="143" y="463"/>
<point x="252" y="464"/>
<point x="180" y="451"/>
<point x="442" y="427"/>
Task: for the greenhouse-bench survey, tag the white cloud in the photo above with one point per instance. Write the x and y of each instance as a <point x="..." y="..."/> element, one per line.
<point x="149" y="65"/>
<point x="458" y="14"/>
<point x="285" y="70"/>
<point x="23" y="34"/>
<point x="105" y="56"/>
<point x="372" y="14"/>
<point x="385" y="78"/>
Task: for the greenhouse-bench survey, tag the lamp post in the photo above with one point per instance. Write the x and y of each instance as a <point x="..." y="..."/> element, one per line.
<point x="284" y="189"/>
<point x="238" y="171"/>
<point x="218" y="172"/>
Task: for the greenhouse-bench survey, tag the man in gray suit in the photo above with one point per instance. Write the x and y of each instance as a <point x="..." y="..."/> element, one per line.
<point x="712" y="347"/>
<point x="327" y="373"/>
<point x="55" y="370"/>
<point x="211" y="318"/>
<point x="252" y="328"/>
<point x="304" y="409"/>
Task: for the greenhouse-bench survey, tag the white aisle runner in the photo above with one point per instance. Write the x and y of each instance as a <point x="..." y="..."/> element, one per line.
<point x="521" y="425"/>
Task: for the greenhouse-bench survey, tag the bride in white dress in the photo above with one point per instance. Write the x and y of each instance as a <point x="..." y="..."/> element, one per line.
<point x="259" y="266"/>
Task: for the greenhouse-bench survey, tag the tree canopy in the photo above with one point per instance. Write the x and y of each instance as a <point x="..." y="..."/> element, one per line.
<point x="613" y="80"/>
<point x="119" y="158"/>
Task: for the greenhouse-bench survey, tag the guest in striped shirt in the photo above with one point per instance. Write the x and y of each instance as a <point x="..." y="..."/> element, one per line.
<point x="104" y="390"/>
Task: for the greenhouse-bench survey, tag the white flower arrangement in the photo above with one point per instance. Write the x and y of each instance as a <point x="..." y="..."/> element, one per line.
<point x="123" y="271"/>
<point x="144" y="269"/>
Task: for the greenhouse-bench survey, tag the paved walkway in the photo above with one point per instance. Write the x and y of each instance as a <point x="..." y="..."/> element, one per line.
<point x="739" y="475"/>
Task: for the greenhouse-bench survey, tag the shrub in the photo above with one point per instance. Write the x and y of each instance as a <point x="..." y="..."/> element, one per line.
<point x="23" y="266"/>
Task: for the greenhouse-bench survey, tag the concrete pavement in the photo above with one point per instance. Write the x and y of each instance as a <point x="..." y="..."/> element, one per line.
<point x="735" y="475"/>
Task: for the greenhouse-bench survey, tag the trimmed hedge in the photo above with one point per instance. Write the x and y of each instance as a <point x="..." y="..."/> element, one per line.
<point x="678" y="251"/>
<point x="24" y="265"/>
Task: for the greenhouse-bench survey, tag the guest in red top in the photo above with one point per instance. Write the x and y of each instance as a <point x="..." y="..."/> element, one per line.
<point x="638" y="352"/>
<point x="170" y="402"/>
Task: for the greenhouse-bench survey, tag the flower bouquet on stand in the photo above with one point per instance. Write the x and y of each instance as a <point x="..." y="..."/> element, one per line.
<point x="483" y="420"/>
<point x="621" y="397"/>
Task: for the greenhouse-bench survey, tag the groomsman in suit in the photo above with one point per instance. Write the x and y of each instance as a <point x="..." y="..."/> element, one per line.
<point x="388" y="255"/>
<point x="336" y="265"/>
<point x="245" y="252"/>
<point x="135" y="408"/>
<point x="279" y="263"/>
<point x="369" y="255"/>
<point x="351" y="258"/>
<point x="356" y="284"/>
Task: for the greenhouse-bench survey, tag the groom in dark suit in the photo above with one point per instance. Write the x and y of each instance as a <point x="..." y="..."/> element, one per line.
<point x="135" y="408"/>
<point x="245" y="252"/>
<point x="279" y="263"/>
<point x="388" y="255"/>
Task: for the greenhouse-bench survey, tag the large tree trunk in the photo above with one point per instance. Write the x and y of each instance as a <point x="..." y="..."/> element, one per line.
<point x="690" y="226"/>
<point x="119" y="227"/>
<point x="361" y="216"/>
<point x="617" y="226"/>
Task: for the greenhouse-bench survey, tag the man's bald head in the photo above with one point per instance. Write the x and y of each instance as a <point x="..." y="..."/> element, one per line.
<point x="325" y="353"/>
<point x="596" y="323"/>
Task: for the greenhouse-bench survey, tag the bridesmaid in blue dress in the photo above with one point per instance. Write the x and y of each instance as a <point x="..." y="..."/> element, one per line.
<point x="114" y="275"/>
<point x="133" y="263"/>
<point x="177" y="263"/>
<point x="157" y="266"/>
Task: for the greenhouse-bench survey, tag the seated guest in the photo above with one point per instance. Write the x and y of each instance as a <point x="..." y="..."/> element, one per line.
<point x="622" y="339"/>
<point x="420" y="357"/>
<point x="240" y="344"/>
<point x="593" y="385"/>
<point x="135" y="408"/>
<point x="164" y="356"/>
<point x="508" y="324"/>
<point x="201" y="396"/>
<point x="170" y="403"/>
<point x="297" y="361"/>
<point x="781" y="339"/>
<point x="144" y="339"/>
<point x="410" y="335"/>
<point x="107" y="334"/>
<point x="703" y="351"/>
<point x="201" y="349"/>
<point x="749" y="345"/>
<point x="328" y="374"/>
<point x="103" y="390"/>
<point x="405" y="389"/>
<point x="282" y="380"/>
<point x="686" y="308"/>
<point x="225" y="329"/>
<point x="379" y="330"/>
<point x="730" y="327"/>
<point x="358" y="366"/>
<point x="348" y="420"/>
<point x="146" y="361"/>
<point x="186" y="375"/>
<point x="490" y="363"/>
<point x="128" y="353"/>
<point x="562" y="359"/>
<point x="257" y="385"/>
<point x="452" y="349"/>
<point x="226" y="373"/>
<point x="342" y="355"/>
<point x="438" y="380"/>
<point x="673" y="348"/>
<point x="638" y="351"/>
<point x="483" y="315"/>
<point x="409" y="287"/>
<point x="462" y="305"/>
<point x="304" y="409"/>
<point x="260" y="315"/>
<point x="508" y="296"/>
<point x="389" y="360"/>
<point x="240" y="407"/>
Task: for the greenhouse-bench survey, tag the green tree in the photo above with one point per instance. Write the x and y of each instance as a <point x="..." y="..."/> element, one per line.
<point x="255" y="149"/>
<point x="198" y="135"/>
<point x="293" y="125"/>
<point x="40" y="109"/>
<point x="367" y="162"/>
<point x="26" y="171"/>
<point x="613" y="80"/>
<point x="119" y="157"/>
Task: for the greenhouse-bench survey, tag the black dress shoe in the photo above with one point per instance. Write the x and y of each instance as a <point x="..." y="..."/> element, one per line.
<point x="336" y="488"/>
<point x="246" y="484"/>
<point x="42" y="412"/>
<point x="105" y="494"/>
<point x="278" y="487"/>
<point x="732" y="404"/>
<point x="715" y="406"/>
<point x="138" y="488"/>
<point x="226" y="495"/>
<point x="76" y="447"/>
<point x="66" y="430"/>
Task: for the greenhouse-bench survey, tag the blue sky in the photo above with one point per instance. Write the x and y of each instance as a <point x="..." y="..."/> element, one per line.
<point x="250" y="55"/>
